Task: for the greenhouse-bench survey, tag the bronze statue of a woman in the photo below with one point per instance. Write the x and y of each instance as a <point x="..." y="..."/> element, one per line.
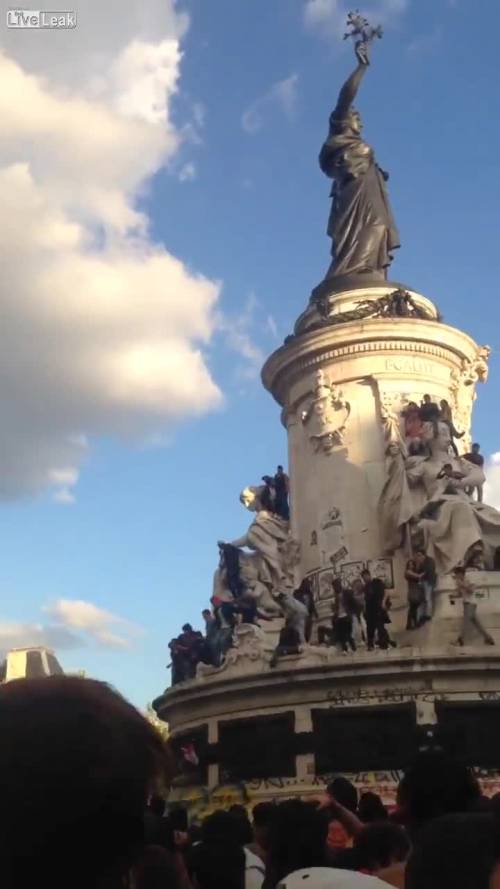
<point x="361" y="224"/>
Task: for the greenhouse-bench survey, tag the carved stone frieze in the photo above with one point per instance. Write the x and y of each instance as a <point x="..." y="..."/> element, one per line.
<point x="326" y="416"/>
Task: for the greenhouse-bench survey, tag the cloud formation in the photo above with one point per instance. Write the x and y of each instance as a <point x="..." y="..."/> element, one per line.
<point x="282" y="96"/>
<point x="103" y="330"/>
<point x="328" y="17"/>
<point x="73" y="623"/>
<point x="99" y="625"/>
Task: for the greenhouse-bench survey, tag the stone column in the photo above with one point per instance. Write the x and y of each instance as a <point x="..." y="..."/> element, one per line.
<point x="337" y="419"/>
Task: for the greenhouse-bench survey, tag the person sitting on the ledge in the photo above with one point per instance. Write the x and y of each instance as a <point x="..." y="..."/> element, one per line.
<point x="449" y="475"/>
<point x="246" y="607"/>
<point x="447" y="417"/>
<point x="289" y="643"/>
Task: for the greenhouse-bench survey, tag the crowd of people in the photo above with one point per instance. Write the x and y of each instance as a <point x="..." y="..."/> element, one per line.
<point x="360" y="617"/>
<point x="84" y="778"/>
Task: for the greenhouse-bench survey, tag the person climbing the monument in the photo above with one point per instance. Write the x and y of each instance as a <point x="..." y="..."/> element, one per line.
<point x="289" y="643"/>
<point x="282" y="489"/>
<point x="447" y="417"/>
<point x="416" y="594"/>
<point x="295" y="613"/>
<point x="470" y="621"/>
<point x="305" y="595"/>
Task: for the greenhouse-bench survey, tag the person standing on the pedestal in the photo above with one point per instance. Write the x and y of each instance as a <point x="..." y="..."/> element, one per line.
<point x="305" y="595"/>
<point x="426" y="566"/>
<point x="430" y="413"/>
<point x="375" y="612"/>
<point x="342" y="617"/>
<point x="416" y="593"/>
<point x="477" y="459"/>
<point x="282" y="488"/>
<point x="361" y="223"/>
<point x="470" y="620"/>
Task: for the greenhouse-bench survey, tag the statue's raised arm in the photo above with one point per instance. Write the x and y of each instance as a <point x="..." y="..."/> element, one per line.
<point x="361" y="224"/>
<point x="350" y="89"/>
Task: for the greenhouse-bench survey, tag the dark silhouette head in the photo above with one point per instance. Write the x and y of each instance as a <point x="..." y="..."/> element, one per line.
<point x="371" y="808"/>
<point x="155" y="870"/>
<point x="435" y="785"/>
<point x="380" y="845"/>
<point x="187" y="628"/>
<point x="461" y="851"/>
<point x="427" y="399"/>
<point x="77" y="765"/>
<point x="296" y="839"/>
<point x="344" y="792"/>
<point x="476" y="448"/>
<point x="216" y="865"/>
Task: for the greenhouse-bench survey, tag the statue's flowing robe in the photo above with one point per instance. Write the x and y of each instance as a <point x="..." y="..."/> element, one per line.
<point x="361" y="223"/>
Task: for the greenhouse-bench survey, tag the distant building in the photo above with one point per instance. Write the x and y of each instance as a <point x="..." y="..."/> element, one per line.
<point x="30" y="663"/>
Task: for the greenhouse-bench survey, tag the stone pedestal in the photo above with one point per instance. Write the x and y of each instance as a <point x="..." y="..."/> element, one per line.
<point x="342" y="380"/>
<point x="372" y="368"/>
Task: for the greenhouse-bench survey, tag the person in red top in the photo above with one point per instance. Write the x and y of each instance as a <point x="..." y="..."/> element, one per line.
<point x="413" y="421"/>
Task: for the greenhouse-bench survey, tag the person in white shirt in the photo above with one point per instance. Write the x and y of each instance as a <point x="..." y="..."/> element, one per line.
<point x="470" y="619"/>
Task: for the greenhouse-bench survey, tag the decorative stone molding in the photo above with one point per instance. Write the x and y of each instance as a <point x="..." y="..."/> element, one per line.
<point x="327" y="416"/>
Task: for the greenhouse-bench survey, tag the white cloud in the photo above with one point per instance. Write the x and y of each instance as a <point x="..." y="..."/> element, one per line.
<point x="282" y="95"/>
<point x="492" y="485"/>
<point x="99" y="625"/>
<point x="73" y="623"/>
<point x="15" y="634"/>
<point x="187" y="173"/>
<point x="272" y="327"/>
<point x="103" y="331"/>
<point x="237" y="332"/>
<point x="328" y="17"/>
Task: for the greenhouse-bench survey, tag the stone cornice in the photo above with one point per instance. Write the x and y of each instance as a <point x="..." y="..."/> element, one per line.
<point x="293" y="684"/>
<point x="422" y="337"/>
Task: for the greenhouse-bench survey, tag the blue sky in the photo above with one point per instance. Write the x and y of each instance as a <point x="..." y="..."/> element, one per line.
<point x="240" y="200"/>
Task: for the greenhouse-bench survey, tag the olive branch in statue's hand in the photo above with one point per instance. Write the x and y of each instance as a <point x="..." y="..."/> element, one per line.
<point x="363" y="34"/>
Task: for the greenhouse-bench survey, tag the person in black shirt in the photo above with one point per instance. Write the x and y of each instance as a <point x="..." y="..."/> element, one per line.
<point x="426" y="566"/>
<point x="476" y="459"/>
<point x="374" y="611"/>
<point x="289" y="643"/>
<point x="430" y="413"/>
<point x="475" y="456"/>
<point x="281" y="487"/>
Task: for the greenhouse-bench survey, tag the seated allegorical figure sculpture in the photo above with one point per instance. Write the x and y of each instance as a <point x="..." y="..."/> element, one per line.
<point x="429" y="492"/>
<point x="261" y="562"/>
